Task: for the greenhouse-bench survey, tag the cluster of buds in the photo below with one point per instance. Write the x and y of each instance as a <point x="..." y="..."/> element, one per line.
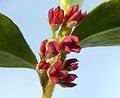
<point x="73" y="17"/>
<point x="53" y="51"/>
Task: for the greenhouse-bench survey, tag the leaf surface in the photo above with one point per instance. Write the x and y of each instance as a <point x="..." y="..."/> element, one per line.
<point x="101" y="26"/>
<point x="14" y="51"/>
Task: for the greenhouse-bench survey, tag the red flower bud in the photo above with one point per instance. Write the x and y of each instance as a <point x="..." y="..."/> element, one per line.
<point x="71" y="64"/>
<point x="74" y="15"/>
<point x="55" y="72"/>
<point x="49" y="49"/>
<point x="70" y="43"/>
<point x="43" y="47"/>
<point x="43" y="65"/>
<point x="55" y="17"/>
<point x="53" y="48"/>
<point x="71" y="11"/>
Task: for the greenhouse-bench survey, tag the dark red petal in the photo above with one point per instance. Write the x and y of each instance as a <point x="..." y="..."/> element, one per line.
<point x="57" y="46"/>
<point x="70" y="44"/>
<point x="75" y="48"/>
<point x="72" y="67"/>
<point x="66" y="49"/>
<point x="57" y="10"/>
<point x="75" y="8"/>
<point x="58" y="64"/>
<point x="46" y="66"/>
<point x="75" y="39"/>
<point x="54" y="79"/>
<point x="80" y="17"/>
<point x="50" y="49"/>
<point x="43" y="46"/>
<point x="57" y="17"/>
<point x="52" y="71"/>
<point x="70" y="78"/>
<point x="68" y="84"/>
<point x="50" y="15"/>
<point x="62" y="73"/>
<point x="40" y="66"/>
<point x="55" y="20"/>
<point x="61" y="16"/>
<point x="71" y="39"/>
<point x="74" y="17"/>
<point x="69" y="13"/>
<point x="53" y="48"/>
<point x="73" y="60"/>
<point x="66" y="40"/>
<point x="43" y="65"/>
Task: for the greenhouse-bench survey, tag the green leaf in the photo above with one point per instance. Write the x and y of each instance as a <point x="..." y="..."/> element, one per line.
<point x="75" y="2"/>
<point x="65" y="4"/>
<point x="14" y="51"/>
<point x="101" y="27"/>
<point x="106" y="38"/>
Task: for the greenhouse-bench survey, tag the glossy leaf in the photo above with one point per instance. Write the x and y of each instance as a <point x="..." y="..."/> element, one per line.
<point x="106" y="38"/>
<point x="14" y="51"/>
<point x="101" y="27"/>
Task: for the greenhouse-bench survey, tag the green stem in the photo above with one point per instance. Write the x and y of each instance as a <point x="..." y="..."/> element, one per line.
<point x="64" y="31"/>
<point x="54" y="34"/>
<point x="47" y="93"/>
<point x="47" y="86"/>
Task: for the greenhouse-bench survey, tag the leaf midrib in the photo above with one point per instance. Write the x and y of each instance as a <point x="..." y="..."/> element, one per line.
<point x="100" y="33"/>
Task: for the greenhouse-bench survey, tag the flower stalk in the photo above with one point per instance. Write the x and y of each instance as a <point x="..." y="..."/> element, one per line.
<point x="54" y="34"/>
<point x="48" y="90"/>
<point x="54" y="67"/>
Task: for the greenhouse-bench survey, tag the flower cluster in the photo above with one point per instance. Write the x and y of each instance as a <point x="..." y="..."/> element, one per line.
<point x="53" y="51"/>
<point x="58" y="72"/>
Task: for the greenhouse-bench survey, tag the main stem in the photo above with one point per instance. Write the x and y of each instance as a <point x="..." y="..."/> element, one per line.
<point x="47" y="86"/>
<point x="47" y="93"/>
<point x="64" y="31"/>
<point x="54" y="34"/>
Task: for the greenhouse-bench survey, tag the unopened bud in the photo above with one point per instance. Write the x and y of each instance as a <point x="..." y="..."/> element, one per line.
<point x="55" y="17"/>
<point x="74" y="16"/>
<point x="42" y="66"/>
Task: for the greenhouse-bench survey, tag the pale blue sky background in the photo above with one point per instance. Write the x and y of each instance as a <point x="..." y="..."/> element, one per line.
<point x="99" y="72"/>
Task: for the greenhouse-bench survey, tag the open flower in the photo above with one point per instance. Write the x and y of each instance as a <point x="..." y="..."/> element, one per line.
<point x="49" y="49"/>
<point x="55" y="72"/>
<point x="55" y="17"/>
<point x="58" y="72"/>
<point x="53" y="48"/>
<point x="70" y="43"/>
